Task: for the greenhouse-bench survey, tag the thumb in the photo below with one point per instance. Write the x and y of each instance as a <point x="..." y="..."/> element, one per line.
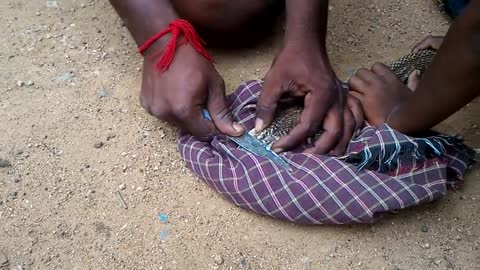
<point x="267" y="104"/>
<point x="413" y="80"/>
<point x="220" y="112"/>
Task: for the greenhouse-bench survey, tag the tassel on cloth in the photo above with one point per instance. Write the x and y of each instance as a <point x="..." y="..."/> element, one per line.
<point x="176" y="28"/>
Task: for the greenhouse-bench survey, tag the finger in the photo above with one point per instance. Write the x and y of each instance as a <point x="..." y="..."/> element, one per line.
<point x="422" y="45"/>
<point x="333" y="132"/>
<point x="358" y="85"/>
<point x="413" y="80"/>
<point x="382" y="70"/>
<point x="355" y="107"/>
<point x="359" y="96"/>
<point x="366" y="75"/>
<point x="309" y="124"/>
<point x="267" y="103"/>
<point x="430" y="42"/>
<point x="193" y="121"/>
<point x="348" y="131"/>
<point x="220" y="111"/>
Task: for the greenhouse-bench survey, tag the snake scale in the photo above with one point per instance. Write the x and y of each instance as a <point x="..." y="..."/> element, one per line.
<point x="288" y="114"/>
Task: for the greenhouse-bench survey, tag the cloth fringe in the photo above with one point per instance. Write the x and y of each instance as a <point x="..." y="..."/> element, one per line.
<point x="385" y="158"/>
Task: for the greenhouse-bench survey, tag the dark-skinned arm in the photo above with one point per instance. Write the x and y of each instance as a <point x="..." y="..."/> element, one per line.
<point x="191" y="83"/>
<point x="145" y="18"/>
<point x="302" y="69"/>
<point x="452" y="81"/>
<point x="307" y="22"/>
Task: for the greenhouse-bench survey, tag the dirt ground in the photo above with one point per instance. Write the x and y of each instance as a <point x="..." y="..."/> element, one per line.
<point x="73" y="130"/>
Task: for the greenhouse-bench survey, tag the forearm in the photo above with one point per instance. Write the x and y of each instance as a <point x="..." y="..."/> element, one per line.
<point x="307" y="22"/>
<point x="144" y="18"/>
<point x="452" y="81"/>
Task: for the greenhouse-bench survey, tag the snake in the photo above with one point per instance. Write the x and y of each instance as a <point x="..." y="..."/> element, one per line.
<point x="288" y="113"/>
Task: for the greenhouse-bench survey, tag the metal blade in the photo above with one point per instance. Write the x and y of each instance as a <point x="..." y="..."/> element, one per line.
<point x="256" y="147"/>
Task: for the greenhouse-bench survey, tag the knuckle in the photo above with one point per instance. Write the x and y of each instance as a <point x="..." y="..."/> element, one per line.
<point x="225" y="114"/>
<point x="182" y="111"/>
<point x="378" y="66"/>
<point x="376" y="84"/>
<point x="264" y="107"/>
<point x="355" y="82"/>
<point x="158" y="111"/>
<point x="361" y="70"/>
<point x="144" y="103"/>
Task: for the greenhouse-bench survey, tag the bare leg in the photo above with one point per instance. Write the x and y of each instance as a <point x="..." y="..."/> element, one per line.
<point x="230" y="23"/>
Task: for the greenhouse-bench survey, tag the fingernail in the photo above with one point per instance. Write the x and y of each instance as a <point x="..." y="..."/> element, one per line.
<point x="258" y="125"/>
<point x="278" y="150"/>
<point x="238" y="128"/>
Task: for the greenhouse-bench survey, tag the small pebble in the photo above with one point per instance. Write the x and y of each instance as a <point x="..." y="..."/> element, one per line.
<point x="4" y="163"/>
<point x="103" y="93"/>
<point x="30" y="83"/>
<point x="218" y="259"/>
<point x="426" y="246"/>
<point x="424" y="228"/>
<point x="13" y="194"/>
<point x="20" y="83"/>
<point x="98" y="144"/>
<point x="122" y="186"/>
<point x="3" y="260"/>
<point x="111" y="135"/>
<point x="437" y="262"/>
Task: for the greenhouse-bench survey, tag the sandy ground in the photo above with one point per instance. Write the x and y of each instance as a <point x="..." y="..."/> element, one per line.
<point x="74" y="133"/>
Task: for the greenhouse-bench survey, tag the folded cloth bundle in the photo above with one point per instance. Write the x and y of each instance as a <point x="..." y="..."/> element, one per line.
<point x="383" y="171"/>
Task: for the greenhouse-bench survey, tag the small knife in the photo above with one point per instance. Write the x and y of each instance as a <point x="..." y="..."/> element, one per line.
<point x="255" y="146"/>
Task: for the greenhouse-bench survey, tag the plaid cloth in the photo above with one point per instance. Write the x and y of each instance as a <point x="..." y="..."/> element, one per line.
<point x="384" y="171"/>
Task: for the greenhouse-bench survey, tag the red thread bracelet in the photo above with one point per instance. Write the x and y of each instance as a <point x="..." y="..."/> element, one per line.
<point x="176" y="27"/>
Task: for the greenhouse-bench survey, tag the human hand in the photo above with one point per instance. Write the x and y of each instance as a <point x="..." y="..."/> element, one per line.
<point x="379" y="92"/>
<point x="430" y="42"/>
<point x="179" y="95"/>
<point x="303" y="70"/>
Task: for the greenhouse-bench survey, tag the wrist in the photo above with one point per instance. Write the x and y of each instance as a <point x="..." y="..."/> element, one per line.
<point x="392" y="119"/>
<point x="157" y="46"/>
<point x="304" y="40"/>
<point x="145" y="18"/>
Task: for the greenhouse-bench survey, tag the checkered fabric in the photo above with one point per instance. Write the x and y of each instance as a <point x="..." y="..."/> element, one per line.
<point x="384" y="171"/>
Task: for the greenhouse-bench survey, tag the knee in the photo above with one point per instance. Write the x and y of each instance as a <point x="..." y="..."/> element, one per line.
<point x="224" y="15"/>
